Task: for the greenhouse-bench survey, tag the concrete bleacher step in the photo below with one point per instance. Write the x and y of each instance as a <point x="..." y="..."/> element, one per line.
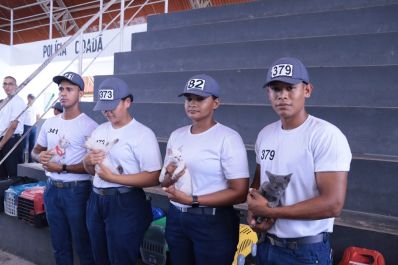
<point x="359" y="50"/>
<point x="343" y="22"/>
<point x="255" y="9"/>
<point x="345" y="86"/>
<point x="248" y="120"/>
<point x="364" y="177"/>
<point x="372" y="186"/>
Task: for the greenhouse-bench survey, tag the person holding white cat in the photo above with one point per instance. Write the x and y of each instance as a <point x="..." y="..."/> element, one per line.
<point x="60" y="150"/>
<point x="202" y="226"/>
<point x="124" y="158"/>
<point x="312" y="158"/>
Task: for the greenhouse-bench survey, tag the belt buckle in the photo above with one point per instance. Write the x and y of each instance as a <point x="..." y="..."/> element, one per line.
<point x="293" y="245"/>
<point x="100" y="191"/>
<point x="58" y="184"/>
<point x="271" y="240"/>
<point x="184" y="209"/>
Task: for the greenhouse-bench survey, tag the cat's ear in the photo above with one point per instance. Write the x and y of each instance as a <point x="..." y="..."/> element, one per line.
<point x="288" y="177"/>
<point x="179" y="149"/>
<point x="271" y="176"/>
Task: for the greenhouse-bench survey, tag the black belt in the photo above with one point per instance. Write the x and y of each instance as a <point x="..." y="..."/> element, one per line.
<point x="294" y="243"/>
<point x="12" y="136"/>
<point x="68" y="184"/>
<point x="198" y="210"/>
<point x="112" y="191"/>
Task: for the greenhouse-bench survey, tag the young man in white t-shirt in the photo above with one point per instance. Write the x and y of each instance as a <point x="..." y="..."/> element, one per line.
<point x="316" y="154"/>
<point x="118" y="213"/>
<point x="60" y="149"/>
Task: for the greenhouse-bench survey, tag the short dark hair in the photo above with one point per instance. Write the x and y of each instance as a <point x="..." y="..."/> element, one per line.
<point x="31" y="96"/>
<point x="130" y="97"/>
<point x="11" y="77"/>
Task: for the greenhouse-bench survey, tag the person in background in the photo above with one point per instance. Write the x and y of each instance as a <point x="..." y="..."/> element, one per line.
<point x="315" y="155"/>
<point x="11" y="129"/>
<point x="31" y="117"/>
<point x="57" y="108"/>
<point x="60" y="149"/>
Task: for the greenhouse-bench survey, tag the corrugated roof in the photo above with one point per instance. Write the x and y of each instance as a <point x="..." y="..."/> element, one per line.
<point x="31" y="22"/>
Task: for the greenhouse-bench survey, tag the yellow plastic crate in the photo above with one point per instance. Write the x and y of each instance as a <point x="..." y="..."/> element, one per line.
<point x="247" y="241"/>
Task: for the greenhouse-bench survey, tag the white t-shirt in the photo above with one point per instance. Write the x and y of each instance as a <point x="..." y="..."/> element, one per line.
<point x="30" y="116"/>
<point x="314" y="146"/>
<point x="75" y="131"/>
<point x="136" y="151"/>
<point x="10" y="112"/>
<point x="212" y="157"/>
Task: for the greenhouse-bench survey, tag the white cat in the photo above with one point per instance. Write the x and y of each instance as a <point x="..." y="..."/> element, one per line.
<point x="58" y="152"/>
<point x="91" y="144"/>
<point x="182" y="183"/>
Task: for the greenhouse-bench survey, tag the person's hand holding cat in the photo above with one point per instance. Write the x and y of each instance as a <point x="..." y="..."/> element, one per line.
<point x="94" y="157"/>
<point x="45" y="156"/>
<point x="105" y="173"/>
<point x="264" y="226"/>
<point x="168" y="181"/>
<point x="52" y="167"/>
<point x="177" y="196"/>
<point x="257" y="204"/>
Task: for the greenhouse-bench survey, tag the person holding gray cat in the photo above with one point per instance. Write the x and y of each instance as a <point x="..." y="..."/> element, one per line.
<point x="302" y="167"/>
<point x="202" y="227"/>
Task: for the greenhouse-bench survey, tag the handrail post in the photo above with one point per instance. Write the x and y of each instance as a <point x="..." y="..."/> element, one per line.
<point x="100" y="18"/>
<point x="166" y="6"/>
<point x="121" y="24"/>
<point x="50" y="29"/>
<point x="80" y="64"/>
<point x="12" y="27"/>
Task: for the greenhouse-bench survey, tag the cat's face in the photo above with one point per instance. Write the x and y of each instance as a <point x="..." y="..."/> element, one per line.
<point x="278" y="182"/>
<point x="175" y="155"/>
<point x="63" y="142"/>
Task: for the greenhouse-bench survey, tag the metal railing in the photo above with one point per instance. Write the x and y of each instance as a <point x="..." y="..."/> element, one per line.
<point x="79" y="56"/>
<point x="53" y="13"/>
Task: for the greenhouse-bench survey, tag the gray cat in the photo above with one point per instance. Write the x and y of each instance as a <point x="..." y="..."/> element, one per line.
<point x="273" y="190"/>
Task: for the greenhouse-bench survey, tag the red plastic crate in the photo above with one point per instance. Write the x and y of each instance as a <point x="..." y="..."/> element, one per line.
<point x="31" y="207"/>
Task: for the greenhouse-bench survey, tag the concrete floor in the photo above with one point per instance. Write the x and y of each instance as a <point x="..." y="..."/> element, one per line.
<point x="10" y="259"/>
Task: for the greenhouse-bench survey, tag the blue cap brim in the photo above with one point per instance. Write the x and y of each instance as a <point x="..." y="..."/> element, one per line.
<point x="288" y="80"/>
<point x="103" y="105"/>
<point x="197" y="93"/>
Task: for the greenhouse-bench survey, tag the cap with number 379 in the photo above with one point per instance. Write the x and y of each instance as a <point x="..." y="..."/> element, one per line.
<point x="289" y="70"/>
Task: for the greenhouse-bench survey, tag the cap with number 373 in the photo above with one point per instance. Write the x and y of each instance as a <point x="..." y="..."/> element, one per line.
<point x="110" y="92"/>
